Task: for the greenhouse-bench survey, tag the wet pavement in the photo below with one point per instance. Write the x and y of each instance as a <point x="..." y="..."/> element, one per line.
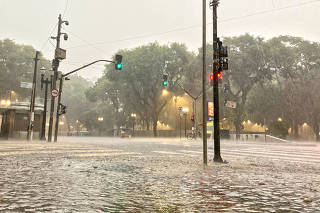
<point x="157" y="175"/>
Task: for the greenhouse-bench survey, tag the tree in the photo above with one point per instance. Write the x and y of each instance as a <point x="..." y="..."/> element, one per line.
<point x="17" y="65"/>
<point x="248" y="67"/>
<point x="139" y="84"/>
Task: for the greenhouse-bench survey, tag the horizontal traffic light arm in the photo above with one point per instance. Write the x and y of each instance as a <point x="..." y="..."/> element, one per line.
<point x="80" y="68"/>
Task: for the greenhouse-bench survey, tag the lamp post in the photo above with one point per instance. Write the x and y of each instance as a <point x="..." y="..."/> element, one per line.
<point x="100" y="120"/>
<point x="44" y="116"/>
<point x="185" y="111"/>
<point x="133" y="116"/>
<point x="77" y="122"/>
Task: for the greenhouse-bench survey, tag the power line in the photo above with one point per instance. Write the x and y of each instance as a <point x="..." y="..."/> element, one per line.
<point x="65" y="8"/>
<point x="48" y="39"/>
<point x="195" y="26"/>
<point x="54" y="28"/>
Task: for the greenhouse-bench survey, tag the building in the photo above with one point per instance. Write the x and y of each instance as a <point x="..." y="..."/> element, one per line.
<point x="14" y="120"/>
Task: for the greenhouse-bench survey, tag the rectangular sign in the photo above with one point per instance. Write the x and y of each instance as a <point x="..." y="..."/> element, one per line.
<point x="210" y="109"/>
<point x="231" y="104"/>
<point x="26" y="85"/>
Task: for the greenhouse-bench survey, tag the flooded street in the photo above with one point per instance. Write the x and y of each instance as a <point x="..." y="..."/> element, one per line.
<point x="157" y="175"/>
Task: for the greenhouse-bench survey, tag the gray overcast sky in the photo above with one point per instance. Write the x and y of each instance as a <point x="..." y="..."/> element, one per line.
<point x="98" y="28"/>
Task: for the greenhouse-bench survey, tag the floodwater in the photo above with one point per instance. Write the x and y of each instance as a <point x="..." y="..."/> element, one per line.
<point x="109" y="175"/>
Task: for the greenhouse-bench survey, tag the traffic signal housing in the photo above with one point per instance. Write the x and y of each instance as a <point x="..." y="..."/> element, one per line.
<point x="192" y="118"/>
<point x="118" y="62"/>
<point x="63" y="109"/>
<point x="226" y="88"/>
<point x="165" y="80"/>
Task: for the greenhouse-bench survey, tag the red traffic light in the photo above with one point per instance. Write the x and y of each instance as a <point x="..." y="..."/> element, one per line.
<point x="192" y="117"/>
<point x="218" y="75"/>
<point x="211" y="77"/>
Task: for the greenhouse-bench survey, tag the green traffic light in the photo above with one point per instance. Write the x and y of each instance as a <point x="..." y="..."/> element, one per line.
<point x="119" y="66"/>
<point x="165" y="83"/>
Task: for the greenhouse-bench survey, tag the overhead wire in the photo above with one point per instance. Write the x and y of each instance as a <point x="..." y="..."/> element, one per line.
<point x="54" y="28"/>
<point x="196" y="26"/>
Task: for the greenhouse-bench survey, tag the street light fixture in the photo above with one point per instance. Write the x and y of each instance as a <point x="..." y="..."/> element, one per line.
<point x="165" y="92"/>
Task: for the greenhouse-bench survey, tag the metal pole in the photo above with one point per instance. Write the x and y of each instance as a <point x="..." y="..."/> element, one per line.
<point x="180" y="126"/>
<point x="55" y="65"/>
<point x="195" y="118"/>
<point x="33" y="97"/>
<point x="216" y="124"/>
<point x="185" y="125"/>
<point x="133" y="127"/>
<point x="56" y="129"/>
<point x="44" y="117"/>
<point x="204" y="76"/>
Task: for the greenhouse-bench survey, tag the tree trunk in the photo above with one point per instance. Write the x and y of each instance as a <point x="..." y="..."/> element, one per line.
<point x="295" y="130"/>
<point x="316" y="130"/>
<point x="148" y="125"/>
<point x="155" y="132"/>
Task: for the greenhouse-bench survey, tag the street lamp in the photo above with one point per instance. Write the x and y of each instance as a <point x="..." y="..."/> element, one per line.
<point x="280" y="119"/>
<point x="165" y="92"/>
<point x="100" y="119"/>
<point x="133" y="116"/>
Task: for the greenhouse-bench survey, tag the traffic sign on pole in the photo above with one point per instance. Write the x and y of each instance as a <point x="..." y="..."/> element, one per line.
<point x="54" y="93"/>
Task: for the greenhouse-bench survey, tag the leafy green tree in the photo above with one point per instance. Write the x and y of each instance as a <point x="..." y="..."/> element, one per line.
<point x="138" y="87"/>
<point x="248" y="68"/>
<point x="17" y="65"/>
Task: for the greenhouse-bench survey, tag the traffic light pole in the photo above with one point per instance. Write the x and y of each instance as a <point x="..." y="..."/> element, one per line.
<point x="216" y="123"/>
<point x="204" y="76"/>
<point x="60" y="94"/>
<point x="58" y="111"/>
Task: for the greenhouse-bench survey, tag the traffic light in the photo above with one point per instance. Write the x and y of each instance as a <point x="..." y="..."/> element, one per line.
<point x="118" y="62"/>
<point x="192" y="118"/>
<point x="165" y="80"/>
<point x="211" y="79"/>
<point x="218" y="75"/>
<point x="62" y="109"/>
<point x="225" y="103"/>
<point x="226" y="88"/>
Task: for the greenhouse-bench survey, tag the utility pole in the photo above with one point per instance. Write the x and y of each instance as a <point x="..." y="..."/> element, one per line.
<point x="204" y="76"/>
<point x="33" y="98"/>
<point x="59" y="55"/>
<point x="44" y="117"/>
<point x="217" y="156"/>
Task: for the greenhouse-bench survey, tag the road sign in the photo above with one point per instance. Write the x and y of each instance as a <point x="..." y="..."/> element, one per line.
<point x="54" y="93"/>
<point x="231" y="104"/>
<point x="26" y="85"/>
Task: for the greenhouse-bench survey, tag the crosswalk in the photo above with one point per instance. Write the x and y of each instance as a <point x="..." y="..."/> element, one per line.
<point x="291" y="154"/>
<point x="20" y="149"/>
